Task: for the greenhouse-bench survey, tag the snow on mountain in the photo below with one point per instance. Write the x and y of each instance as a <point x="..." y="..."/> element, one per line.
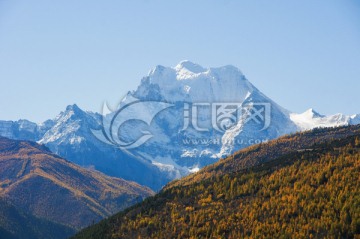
<point x="355" y="119"/>
<point x="194" y="125"/>
<point x="71" y="126"/>
<point x="69" y="135"/>
<point x="311" y="119"/>
<point x="190" y="83"/>
<point x="24" y="129"/>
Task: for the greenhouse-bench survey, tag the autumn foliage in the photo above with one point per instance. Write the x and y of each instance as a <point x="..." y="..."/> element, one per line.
<point x="310" y="192"/>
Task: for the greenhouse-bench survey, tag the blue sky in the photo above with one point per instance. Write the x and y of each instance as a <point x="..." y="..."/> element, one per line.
<point x="301" y="54"/>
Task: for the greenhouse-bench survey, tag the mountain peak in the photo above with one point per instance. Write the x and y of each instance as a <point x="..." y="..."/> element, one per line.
<point x="312" y="113"/>
<point x="72" y="111"/>
<point x="191" y="82"/>
<point x="227" y="69"/>
<point x="189" y="66"/>
<point x="73" y="107"/>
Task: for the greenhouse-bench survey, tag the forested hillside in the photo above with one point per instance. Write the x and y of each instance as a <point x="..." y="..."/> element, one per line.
<point x="304" y="192"/>
<point x="45" y="196"/>
<point x="265" y="152"/>
<point x="15" y="224"/>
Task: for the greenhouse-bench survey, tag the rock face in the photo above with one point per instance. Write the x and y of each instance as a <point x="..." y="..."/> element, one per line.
<point x="46" y="186"/>
<point x="199" y="126"/>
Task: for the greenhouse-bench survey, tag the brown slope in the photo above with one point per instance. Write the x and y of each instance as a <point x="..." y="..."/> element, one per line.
<point x="47" y="186"/>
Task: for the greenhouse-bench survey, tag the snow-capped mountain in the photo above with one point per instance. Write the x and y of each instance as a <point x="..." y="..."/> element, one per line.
<point x="190" y="116"/>
<point x="24" y="129"/>
<point x="69" y="135"/>
<point x="311" y="119"/>
<point x="188" y="83"/>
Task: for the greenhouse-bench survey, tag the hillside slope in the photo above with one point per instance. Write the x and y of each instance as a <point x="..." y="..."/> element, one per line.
<point x="15" y="224"/>
<point x="311" y="192"/>
<point x="261" y="153"/>
<point x="42" y="184"/>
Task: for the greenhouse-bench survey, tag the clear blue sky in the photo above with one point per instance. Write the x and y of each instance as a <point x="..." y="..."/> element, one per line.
<point x="301" y="54"/>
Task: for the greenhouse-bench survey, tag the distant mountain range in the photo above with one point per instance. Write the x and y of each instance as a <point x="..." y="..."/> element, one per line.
<point x="69" y="135"/>
<point x="305" y="185"/>
<point x="45" y="196"/>
<point x="173" y="150"/>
